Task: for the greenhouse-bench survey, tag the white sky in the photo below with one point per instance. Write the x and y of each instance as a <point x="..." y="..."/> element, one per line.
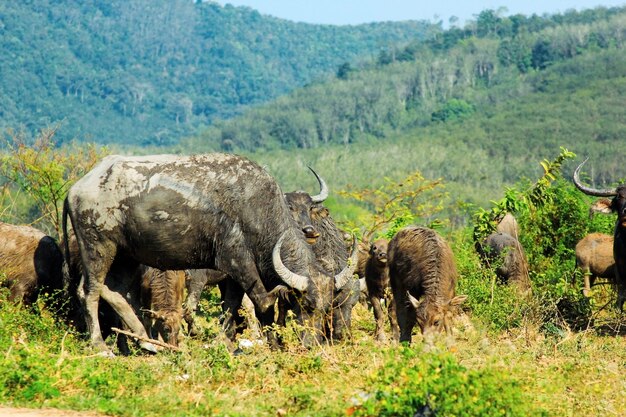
<point x="342" y="12"/>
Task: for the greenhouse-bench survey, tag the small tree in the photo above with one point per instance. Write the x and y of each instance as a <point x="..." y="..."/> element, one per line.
<point x="45" y="172"/>
<point x="396" y="204"/>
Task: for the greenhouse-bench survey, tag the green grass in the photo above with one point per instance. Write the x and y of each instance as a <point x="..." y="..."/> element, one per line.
<point x="519" y="371"/>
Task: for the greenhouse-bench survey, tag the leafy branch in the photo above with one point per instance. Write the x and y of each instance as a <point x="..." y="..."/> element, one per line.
<point x="45" y="172"/>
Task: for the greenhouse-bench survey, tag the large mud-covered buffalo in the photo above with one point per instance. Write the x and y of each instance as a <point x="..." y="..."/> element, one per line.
<point x="423" y="276"/>
<point x="594" y="258"/>
<point x="215" y="211"/>
<point x="616" y="205"/>
<point x="30" y="261"/>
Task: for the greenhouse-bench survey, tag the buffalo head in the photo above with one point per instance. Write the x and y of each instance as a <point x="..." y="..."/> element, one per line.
<point x="436" y="317"/>
<point x="616" y="205"/>
<point x="306" y="209"/>
<point x="314" y="293"/>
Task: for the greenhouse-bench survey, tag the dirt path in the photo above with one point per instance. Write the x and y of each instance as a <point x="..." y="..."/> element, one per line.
<point x="43" y="412"/>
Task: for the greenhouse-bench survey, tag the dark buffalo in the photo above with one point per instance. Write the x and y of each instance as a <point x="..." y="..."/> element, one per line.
<point x="329" y="247"/>
<point x="616" y="205"/>
<point x="594" y="257"/>
<point x="30" y="260"/>
<point x="423" y="275"/>
<point x="504" y="253"/>
<point x="375" y="272"/>
<point x="330" y="250"/>
<point x="215" y="211"/>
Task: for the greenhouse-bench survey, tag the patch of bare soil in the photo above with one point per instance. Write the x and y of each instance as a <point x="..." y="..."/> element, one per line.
<point x="43" y="412"/>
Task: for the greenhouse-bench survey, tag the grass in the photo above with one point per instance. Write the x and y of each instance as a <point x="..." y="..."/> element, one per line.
<point x="45" y="364"/>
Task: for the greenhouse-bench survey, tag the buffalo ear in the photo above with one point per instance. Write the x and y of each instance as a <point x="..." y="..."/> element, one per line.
<point x="458" y="300"/>
<point x="603" y="205"/>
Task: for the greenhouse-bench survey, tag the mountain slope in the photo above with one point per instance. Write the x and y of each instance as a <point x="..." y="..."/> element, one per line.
<point x="148" y="71"/>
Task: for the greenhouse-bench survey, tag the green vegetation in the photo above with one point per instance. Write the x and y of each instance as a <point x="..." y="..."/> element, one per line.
<point x="147" y="72"/>
<point x="450" y="132"/>
<point x="551" y="353"/>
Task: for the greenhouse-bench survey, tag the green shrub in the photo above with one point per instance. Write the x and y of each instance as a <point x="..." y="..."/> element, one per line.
<point x="411" y="382"/>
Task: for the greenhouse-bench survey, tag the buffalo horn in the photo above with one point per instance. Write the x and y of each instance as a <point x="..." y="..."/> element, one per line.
<point x="588" y="190"/>
<point x="299" y="282"/>
<point x="345" y="276"/>
<point x="414" y="301"/>
<point x="323" y="195"/>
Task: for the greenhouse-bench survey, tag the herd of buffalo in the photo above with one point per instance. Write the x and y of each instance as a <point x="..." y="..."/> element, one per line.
<point x="144" y="236"/>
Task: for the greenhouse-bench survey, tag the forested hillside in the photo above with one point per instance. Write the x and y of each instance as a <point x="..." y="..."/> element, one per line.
<point x="478" y="106"/>
<point x="148" y="71"/>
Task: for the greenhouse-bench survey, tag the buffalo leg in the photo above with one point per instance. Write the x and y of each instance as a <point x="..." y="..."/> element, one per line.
<point x="405" y="315"/>
<point x="195" y="285"/>
<point x="96" y="268"/>
<point x="393" y="320"/>
<point x="232" y="296"/>
<point x="379" y="317"/>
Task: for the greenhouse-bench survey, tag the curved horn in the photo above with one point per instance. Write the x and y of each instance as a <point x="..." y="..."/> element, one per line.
<point x="414" y="301"/>
<point x="299" y="282"/>
<point x="323" y="195"/>
<point x="588" y="190"/>
<point x="345" y="276"/>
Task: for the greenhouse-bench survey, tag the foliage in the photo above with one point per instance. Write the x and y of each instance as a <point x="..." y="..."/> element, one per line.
<point x="45" y="172"/>
<point x="553" y="217"/>
<point x="533" y="198"/>
<point x="146" y="72"/>
<point x="476" y="77"/>
<point x="396" y="204"/>
<point x="453" y="110"/>
<point x="418" y="383"/>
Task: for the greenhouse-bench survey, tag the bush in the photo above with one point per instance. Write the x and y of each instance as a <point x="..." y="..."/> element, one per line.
<point x="415" y="383"/>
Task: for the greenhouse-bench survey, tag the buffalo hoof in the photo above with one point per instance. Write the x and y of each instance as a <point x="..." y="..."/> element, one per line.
<point x="147" y="346"/>
<point x="381" y="337"/>
<point x="106" y="354"/>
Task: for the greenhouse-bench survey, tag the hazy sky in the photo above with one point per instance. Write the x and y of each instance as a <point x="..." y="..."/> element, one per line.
<point x="364" y="11"/>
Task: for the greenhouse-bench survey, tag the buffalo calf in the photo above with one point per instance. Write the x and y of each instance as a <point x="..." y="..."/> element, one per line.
<point x="423" y="275"/>
<point x="376" y="274"/>
<point x="162" y="299"/>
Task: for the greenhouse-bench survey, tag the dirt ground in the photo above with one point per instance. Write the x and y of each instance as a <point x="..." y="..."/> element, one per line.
<point x="43" y="412"/>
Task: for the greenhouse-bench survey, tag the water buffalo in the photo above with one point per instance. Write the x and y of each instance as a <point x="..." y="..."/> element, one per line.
<point x="616" y="205"/>
<point x="330" y="250"/>
<point x="423" y="275"/>
<point x="215" y="211"/>
<point x="376" y="277"/>
<point x="594" y="257"/>
<point x="505" y="253"/>
<point x="162" y="302"/>
<point x="30" y="260"/>
<point x="328" y="245"/>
